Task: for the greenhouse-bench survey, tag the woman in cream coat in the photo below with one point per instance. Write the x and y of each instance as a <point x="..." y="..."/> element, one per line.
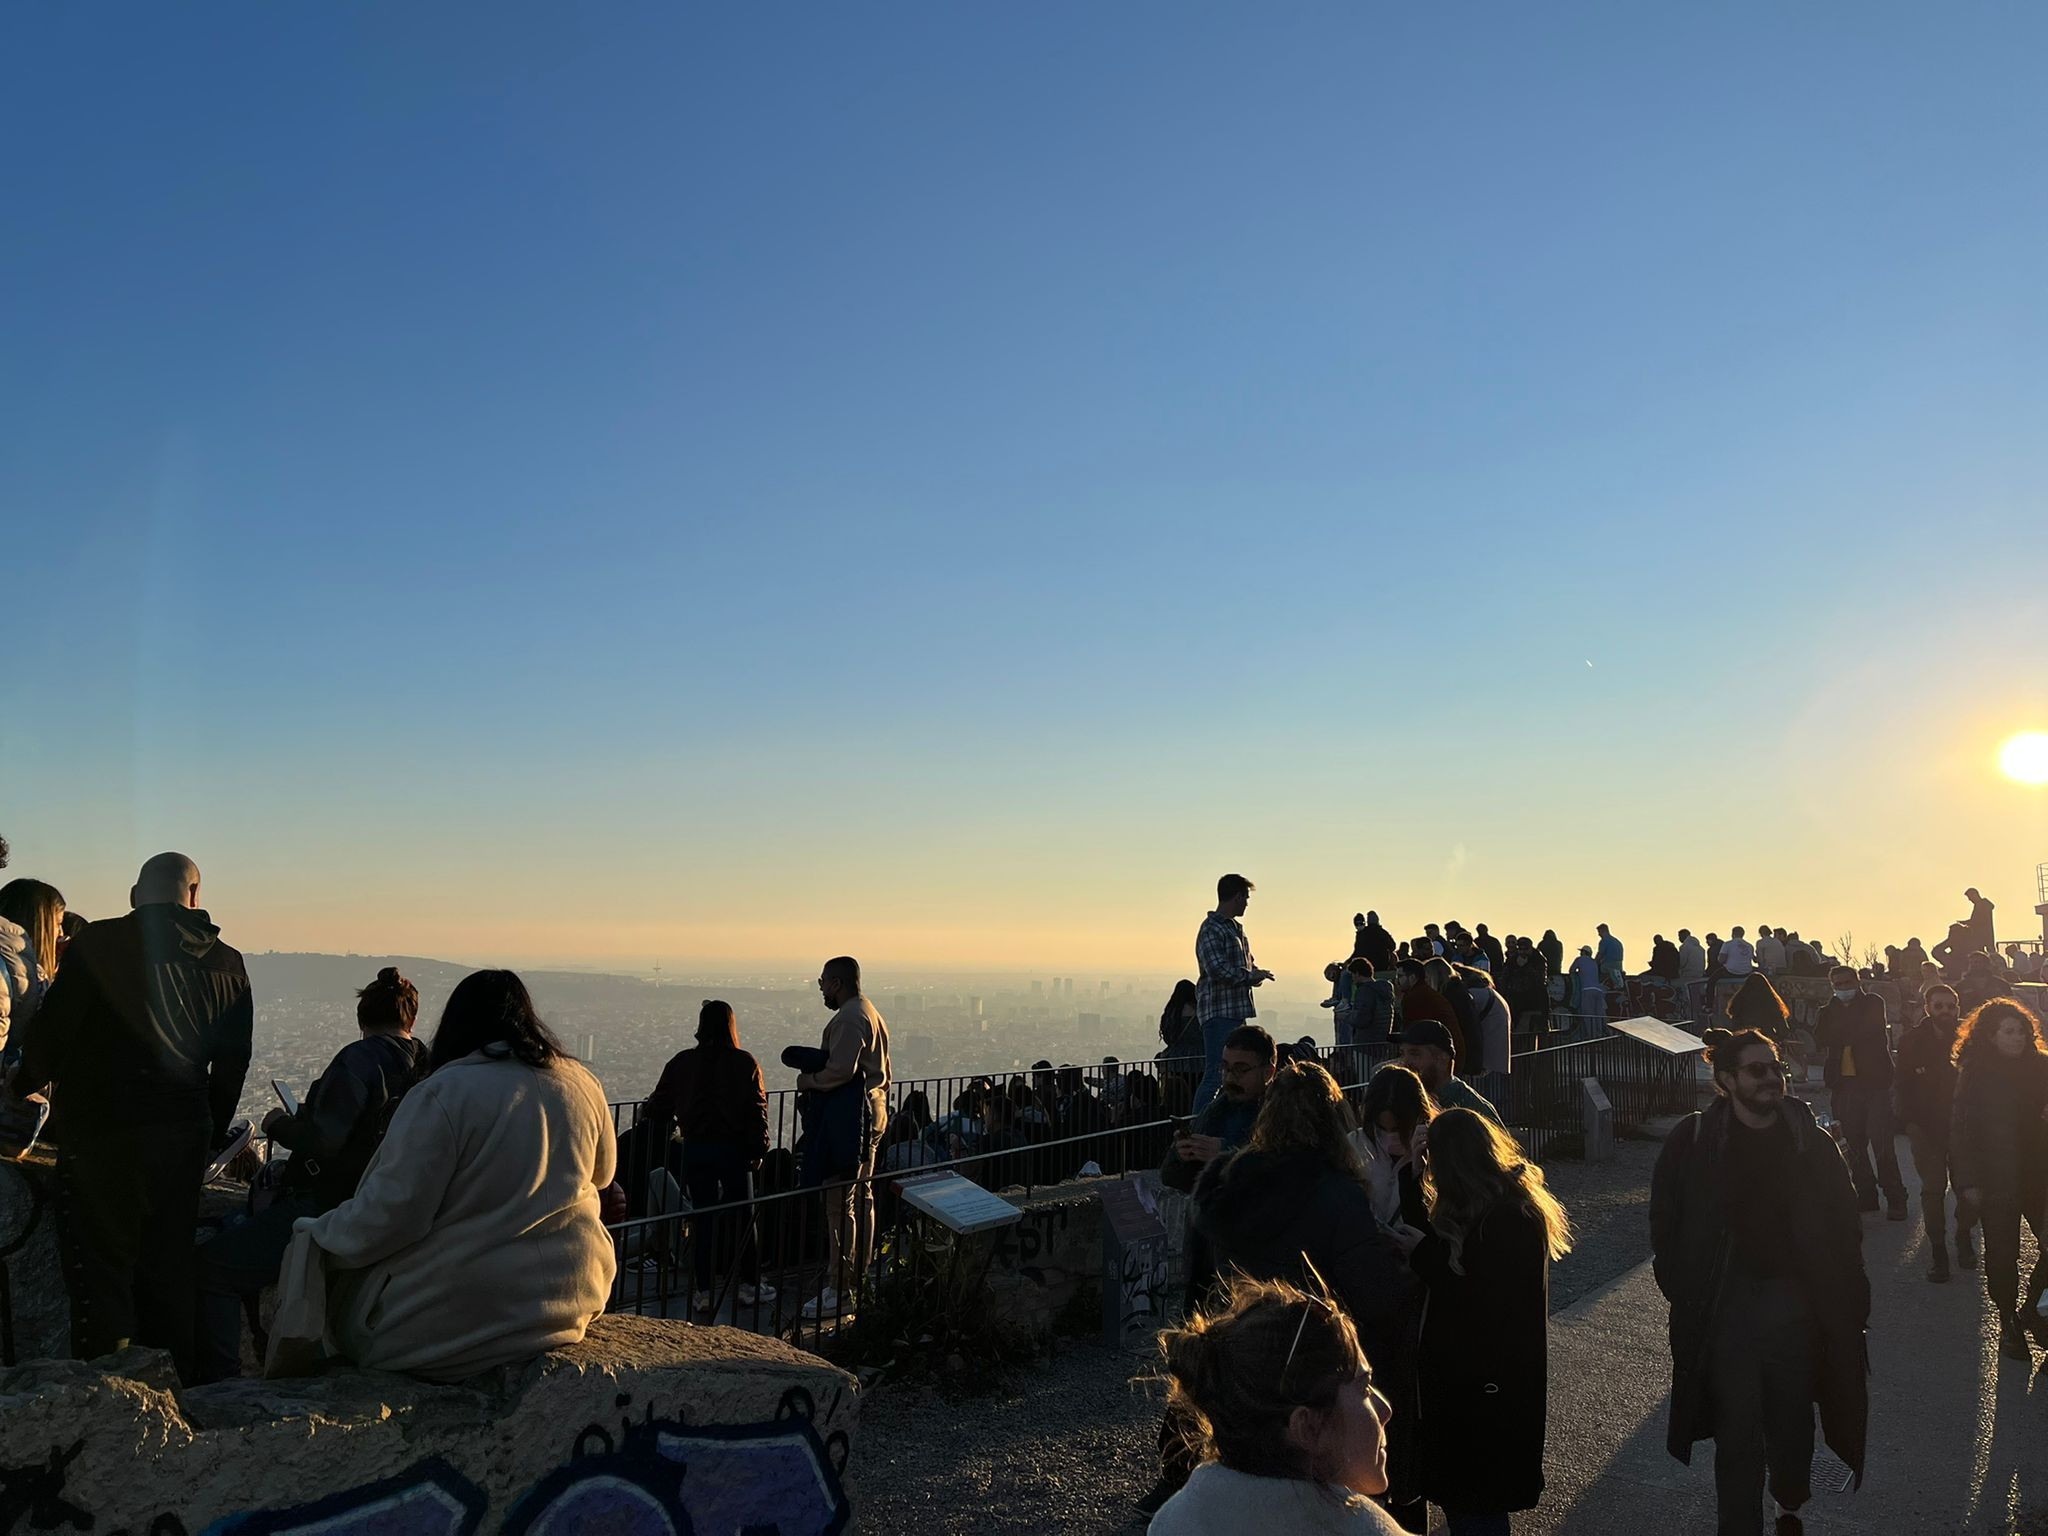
<point x="474" y="1239"/>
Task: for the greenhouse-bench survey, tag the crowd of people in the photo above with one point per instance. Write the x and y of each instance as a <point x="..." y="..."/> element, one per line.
<point x="1322" y="1223"/>
<point x="1367" y="1261"/>
<point x="442" y="1209"/>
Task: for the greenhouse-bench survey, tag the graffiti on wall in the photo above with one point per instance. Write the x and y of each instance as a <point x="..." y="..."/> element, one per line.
<point x="651" y="1476"/>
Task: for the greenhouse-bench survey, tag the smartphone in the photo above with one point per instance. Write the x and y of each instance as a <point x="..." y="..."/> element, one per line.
<point x="1183" y="1125"/>
<point x="285" y="1096"/>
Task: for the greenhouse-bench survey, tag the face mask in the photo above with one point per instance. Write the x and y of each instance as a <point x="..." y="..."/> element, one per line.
<point x="1843" y="994"/>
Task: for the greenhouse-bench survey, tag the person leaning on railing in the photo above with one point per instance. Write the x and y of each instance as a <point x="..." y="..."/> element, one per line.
<point x="715" y="1092"/>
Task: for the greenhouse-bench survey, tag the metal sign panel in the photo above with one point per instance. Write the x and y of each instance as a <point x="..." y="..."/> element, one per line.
<point x="1666" y="1037"/>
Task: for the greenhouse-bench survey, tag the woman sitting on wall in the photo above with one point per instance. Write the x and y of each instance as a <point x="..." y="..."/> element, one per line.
<point x="474" y="1239"/>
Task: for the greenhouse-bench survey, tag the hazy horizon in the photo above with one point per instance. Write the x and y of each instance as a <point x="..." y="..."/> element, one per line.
<point x="729" y="487"/>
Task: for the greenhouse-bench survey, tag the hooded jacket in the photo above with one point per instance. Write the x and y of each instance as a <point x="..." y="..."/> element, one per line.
<point x="148" y="1023"/>
<point x="1690" y="1241"/>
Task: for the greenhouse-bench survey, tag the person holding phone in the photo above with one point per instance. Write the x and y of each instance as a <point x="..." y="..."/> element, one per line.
<point x="331" y="1137"/>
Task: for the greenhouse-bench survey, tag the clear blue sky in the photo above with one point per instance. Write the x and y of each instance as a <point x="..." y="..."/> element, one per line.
<point x="702" y="481"/>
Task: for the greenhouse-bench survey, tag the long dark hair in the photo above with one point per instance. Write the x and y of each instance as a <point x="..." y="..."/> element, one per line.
<point x="717" y="1027"/>
<point x="1396" y="1091"/>
<point x="1756" y="1005"/>
<point x="1170" y="1021"/>
<point x="493" y="1008"/>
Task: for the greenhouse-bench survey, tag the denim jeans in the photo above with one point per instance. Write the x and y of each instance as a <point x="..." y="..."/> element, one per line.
<point x="1214" y="1033"/>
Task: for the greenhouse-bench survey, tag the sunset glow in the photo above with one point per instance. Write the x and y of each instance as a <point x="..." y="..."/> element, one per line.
<point x="2025" y="757"/>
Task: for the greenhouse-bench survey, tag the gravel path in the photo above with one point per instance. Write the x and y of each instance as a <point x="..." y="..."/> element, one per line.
<point x="1065" y="1447"/>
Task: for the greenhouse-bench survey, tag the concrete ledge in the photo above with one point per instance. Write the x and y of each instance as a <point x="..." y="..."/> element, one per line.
<point x="711" y="1428"/>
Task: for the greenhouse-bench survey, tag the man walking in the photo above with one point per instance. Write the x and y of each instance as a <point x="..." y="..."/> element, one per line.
<point x="854" y="1111"/>
<point x="1758" y="1249"/>
<point x="1923" y="1096"/>
<point x="1855" y="1040"/>
<point x="146" y="1032"/>
<point x="1223" y="994"/>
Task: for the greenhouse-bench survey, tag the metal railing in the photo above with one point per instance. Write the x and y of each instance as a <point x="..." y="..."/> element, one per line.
<point x="757" y="1262"/>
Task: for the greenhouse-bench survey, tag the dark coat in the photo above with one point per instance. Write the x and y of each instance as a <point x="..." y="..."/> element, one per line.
<point x="1689" y="1237"/>
<point x="1998" y="1143"/>
<point x="1924" y="1080"/>
<point x="149" y="1022"/>
<point x="1484" y="1364"/>
<point x="1272" y="1216"/>
<point x="1860" y="1025"/>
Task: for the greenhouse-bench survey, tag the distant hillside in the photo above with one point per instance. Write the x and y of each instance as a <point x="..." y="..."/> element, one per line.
<point x="333" y="979"/>
<point x="288" y="977"/>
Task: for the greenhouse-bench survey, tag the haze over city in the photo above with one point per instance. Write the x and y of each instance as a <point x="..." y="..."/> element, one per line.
<point x="947" y="486"/>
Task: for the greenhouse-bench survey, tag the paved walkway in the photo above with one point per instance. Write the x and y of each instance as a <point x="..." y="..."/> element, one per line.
<point x="1958" y="1436"/>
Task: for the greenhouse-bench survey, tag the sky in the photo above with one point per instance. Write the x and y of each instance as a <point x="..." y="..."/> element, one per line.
<point x="732" y="484"/>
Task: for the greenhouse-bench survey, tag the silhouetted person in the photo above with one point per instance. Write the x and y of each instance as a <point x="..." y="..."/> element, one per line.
<point x="853" y="1089"/>
<point x="146" y="1035"/>
<point x="715" y="1092"/>
<point x="1608" y="953"/>
<point x="1223" y="996"/>
<point x="1923" y="1101"/>
<point x="1855" y="1041"/>
<point x="1376" y="944"/>
<point x="331" y="1137"/>
<point x="1980" y="925"/>
<point x="1757" y="1246"/>
<point x="1551" y="948"/>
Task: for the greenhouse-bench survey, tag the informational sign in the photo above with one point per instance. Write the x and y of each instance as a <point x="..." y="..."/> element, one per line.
<point x="958" y="1204"/>
<point x="1666" y="1037"/>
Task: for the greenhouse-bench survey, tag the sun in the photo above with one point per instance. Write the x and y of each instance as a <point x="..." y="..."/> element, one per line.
<point x="2025" y="757"/>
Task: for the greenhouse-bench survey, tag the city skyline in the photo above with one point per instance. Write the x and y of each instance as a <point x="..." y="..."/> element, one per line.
<point x="734" y="488"/>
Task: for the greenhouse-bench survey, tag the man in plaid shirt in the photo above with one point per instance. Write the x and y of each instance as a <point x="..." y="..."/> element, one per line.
<point x="1223" y="996"/>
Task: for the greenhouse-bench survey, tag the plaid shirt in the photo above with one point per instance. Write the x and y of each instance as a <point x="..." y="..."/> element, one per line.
<point x="1223" y="956"/>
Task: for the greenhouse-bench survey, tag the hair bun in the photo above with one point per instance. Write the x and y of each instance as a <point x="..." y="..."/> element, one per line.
<point x="1716" y="1036"/>
<point x="390" y="977"/>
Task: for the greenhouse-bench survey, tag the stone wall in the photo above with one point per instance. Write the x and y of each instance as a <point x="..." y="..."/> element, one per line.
<point x="1049" y="1266"/>
<point x="648" y="1425"/>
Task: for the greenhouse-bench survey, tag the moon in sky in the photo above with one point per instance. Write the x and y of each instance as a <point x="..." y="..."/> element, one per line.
<point x="2025" y="757"/>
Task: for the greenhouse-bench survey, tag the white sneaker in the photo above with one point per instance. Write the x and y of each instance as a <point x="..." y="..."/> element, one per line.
<point x="700" y="1301"/>
<point x="756" y="1295"/>
<point x="824" y="1304"/>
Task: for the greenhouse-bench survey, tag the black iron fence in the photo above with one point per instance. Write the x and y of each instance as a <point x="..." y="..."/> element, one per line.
<point x="827" y="1266"/>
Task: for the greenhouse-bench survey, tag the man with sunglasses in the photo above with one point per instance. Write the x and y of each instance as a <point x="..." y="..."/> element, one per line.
<point x="1758" y="1247"/>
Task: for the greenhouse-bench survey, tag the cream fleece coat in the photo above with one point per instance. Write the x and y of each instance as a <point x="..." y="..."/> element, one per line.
<point x="474" y="1239"/>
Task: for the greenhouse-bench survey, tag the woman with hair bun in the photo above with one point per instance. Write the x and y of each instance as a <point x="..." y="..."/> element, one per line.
<point x="1998" y="1156"/>
<point x="331" y="1137"/>
<point x="1290" y="1429"/>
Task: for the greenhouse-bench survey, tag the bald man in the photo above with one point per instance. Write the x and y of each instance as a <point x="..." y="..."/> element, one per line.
<point x="146" y="1034"/>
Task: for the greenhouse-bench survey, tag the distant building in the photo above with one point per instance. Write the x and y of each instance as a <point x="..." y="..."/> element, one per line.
<point x="974" y="1007"/>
